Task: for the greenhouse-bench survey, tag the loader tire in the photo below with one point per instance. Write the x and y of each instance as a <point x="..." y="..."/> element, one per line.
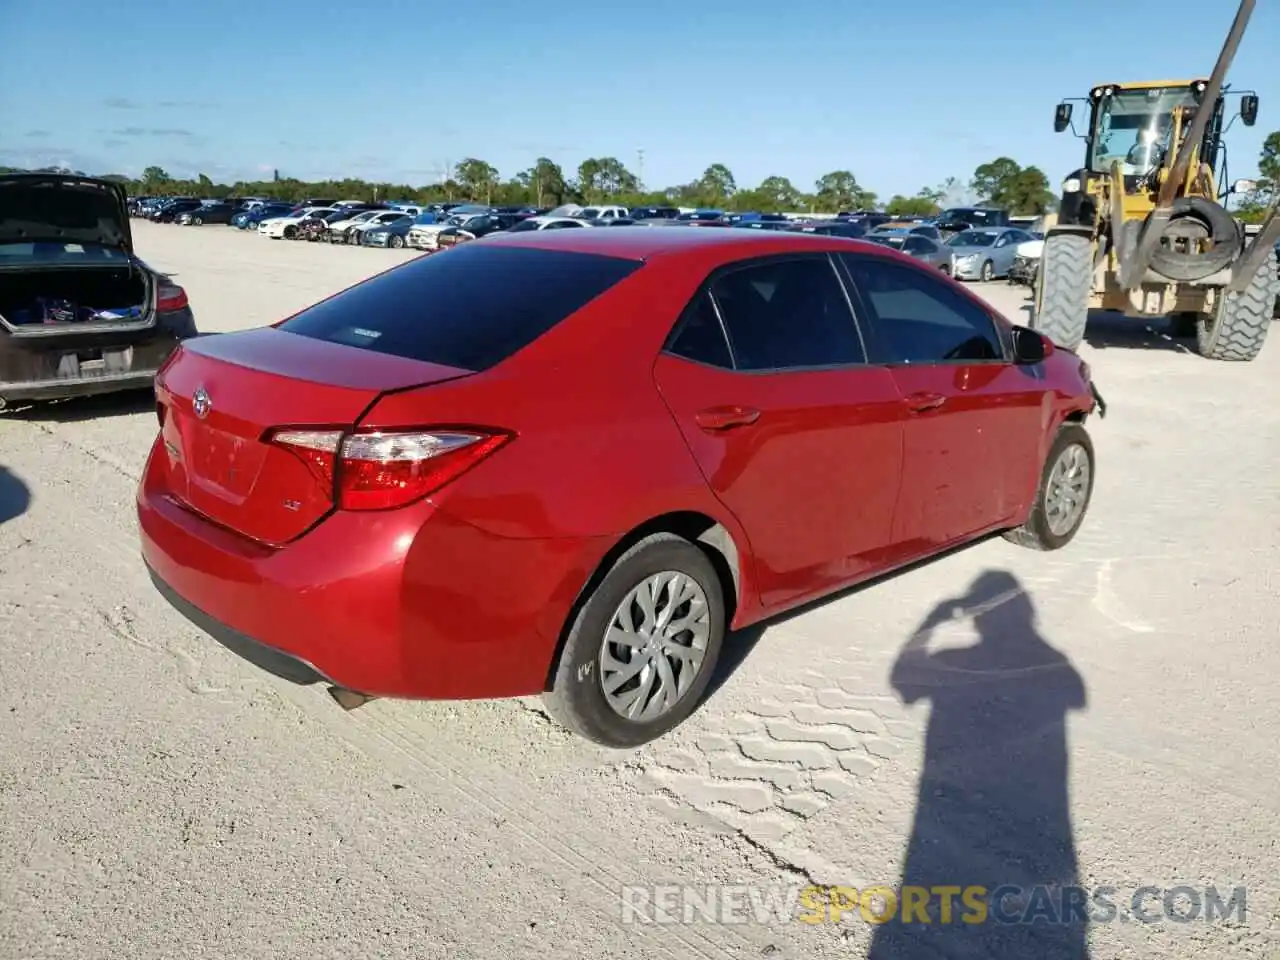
<point x="1238" y="325"/>
<point x="1064" y="283"/>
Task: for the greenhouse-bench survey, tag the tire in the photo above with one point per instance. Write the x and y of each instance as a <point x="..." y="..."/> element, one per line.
<point x="395" y="242"/>
<point x="988" y="271"/>
<point x="197" y="221"/>
<point x="1038" y="533"/>
<point x="577" y="698"/>
<point x="946" y="269"/>
<point x="290" y="233"/>
<point x="1221" y="227"/>
<point x="1239" y="323"/>
<point x="1063" y="283"/>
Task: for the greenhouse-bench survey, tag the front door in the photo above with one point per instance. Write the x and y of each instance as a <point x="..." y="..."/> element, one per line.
<point x="796" y="435"/>
<point x="973" y="416"/>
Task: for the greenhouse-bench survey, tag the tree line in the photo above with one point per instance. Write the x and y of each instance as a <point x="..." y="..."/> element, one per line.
<point x="1002" y="182"/>
<point x="597" y="180"/>
<point x="1253" y="207"/>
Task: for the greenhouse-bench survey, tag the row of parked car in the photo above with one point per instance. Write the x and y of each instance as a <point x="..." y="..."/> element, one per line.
<point x="968" y="243"/>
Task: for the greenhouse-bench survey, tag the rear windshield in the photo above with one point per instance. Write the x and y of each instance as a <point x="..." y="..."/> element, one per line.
<point x="470" y="307"/>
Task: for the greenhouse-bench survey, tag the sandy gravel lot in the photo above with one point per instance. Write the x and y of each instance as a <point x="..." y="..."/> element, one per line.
<point x="161" y="799"/>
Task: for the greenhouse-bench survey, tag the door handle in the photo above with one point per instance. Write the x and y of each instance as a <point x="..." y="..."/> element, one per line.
<point x="921" y="402"/>
<point x="724" y="418"/>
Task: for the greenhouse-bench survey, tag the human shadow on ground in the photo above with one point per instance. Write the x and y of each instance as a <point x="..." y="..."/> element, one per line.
<point x="992" y="809"/>
<point x="739" y="644"/>
<point x="15" y="496"/>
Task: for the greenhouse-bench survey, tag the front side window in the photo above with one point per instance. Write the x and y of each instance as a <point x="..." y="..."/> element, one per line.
<point x="917" y="318"/>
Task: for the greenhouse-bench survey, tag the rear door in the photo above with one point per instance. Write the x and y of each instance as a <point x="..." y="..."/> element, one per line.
<point x="974" y="417"/>
<point x="796" y="434"/>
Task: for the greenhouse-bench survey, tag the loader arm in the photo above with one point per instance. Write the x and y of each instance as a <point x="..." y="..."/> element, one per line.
<point x="1134" y="267"/>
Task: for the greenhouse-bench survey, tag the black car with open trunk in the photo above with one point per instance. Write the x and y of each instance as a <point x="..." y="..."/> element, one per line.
<point x="79" y="312"/>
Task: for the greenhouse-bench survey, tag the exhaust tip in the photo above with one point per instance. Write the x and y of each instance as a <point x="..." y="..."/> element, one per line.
<point x="348" y="699"/>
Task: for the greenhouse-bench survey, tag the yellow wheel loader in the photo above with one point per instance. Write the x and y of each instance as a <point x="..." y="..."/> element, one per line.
<point x="1142" y="228"/>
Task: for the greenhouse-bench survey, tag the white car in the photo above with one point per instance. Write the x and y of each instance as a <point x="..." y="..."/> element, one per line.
<point x="352" y="232"/>
<point x="548" y="222"/>
<point x="286" y="228"/>
<point x="602" y="213"/>
<point x="423" y="236"/>
<point x="1026" y="262"/>
<point x="337" y="232"/>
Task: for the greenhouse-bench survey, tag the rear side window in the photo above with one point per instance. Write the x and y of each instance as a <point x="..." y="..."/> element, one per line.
<point x="470" y="307"/>
<point x="699" y="336"/>
<point x="789" y="313"/>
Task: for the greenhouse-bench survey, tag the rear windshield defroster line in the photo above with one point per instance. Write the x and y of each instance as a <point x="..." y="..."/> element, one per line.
<point x="469" y="308"/>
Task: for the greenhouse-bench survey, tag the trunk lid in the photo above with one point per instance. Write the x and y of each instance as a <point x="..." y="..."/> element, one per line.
<point x="220" y="461"/>
<point x="64" y="208"/>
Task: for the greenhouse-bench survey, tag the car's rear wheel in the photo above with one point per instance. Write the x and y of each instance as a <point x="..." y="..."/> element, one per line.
<point x="642" y="647"/>
<point x="1062" y="499"/>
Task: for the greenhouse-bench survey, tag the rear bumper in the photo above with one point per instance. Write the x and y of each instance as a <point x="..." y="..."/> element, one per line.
<point x="275" y="662"/>
<point x="410" y="603"/>
<point x="87" y="364"/>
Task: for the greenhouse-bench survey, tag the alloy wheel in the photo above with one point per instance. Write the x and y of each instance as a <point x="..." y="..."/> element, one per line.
<point x="1067" y="491"/>
<point x="655" y="646"/>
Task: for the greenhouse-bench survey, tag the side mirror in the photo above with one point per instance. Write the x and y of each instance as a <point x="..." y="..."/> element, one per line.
<point x="1244" y="186"/>
<point x="1062" y="117"/>
<point x="1029" y="347"/>
<point x="1249" y="109"/>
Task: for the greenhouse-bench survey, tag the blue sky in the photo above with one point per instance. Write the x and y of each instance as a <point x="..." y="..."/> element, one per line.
<point x="904" y="93"/>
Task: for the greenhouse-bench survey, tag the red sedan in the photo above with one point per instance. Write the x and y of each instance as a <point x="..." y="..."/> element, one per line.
<point x="567" y="462"/>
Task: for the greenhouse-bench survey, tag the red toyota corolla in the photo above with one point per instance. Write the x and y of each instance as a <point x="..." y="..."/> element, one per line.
<point x="567" y="462"/>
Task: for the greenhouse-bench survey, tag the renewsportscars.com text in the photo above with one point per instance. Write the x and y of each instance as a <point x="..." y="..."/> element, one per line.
<point x="942" y="904"/>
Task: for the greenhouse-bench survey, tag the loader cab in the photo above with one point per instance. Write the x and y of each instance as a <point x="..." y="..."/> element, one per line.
<point x="1134" y="123"/>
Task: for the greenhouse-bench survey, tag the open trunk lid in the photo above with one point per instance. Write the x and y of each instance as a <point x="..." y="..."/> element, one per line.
<point x="64" y="208"/>
<point x="221" y="399"/>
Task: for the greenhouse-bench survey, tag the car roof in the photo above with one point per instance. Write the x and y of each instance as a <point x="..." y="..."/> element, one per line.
<point x="657" y="244"/>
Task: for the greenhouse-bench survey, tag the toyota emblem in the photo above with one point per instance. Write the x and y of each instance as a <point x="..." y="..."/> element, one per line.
<point x="200" y="403"/>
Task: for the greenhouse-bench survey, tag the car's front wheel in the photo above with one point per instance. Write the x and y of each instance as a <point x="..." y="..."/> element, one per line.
<point x="1062" y="499"/>
<point x="643" y="646"/>
<point x="988" y="271"/>
<point x="396" y="242"/>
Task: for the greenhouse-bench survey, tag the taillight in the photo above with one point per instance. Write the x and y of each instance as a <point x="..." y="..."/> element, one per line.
<point x="170" y="297"/>
<point x="378" y="471"/>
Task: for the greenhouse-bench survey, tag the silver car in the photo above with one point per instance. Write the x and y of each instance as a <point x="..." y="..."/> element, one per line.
<point x="915" y="245"/>
<point x="984" y="253"/>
